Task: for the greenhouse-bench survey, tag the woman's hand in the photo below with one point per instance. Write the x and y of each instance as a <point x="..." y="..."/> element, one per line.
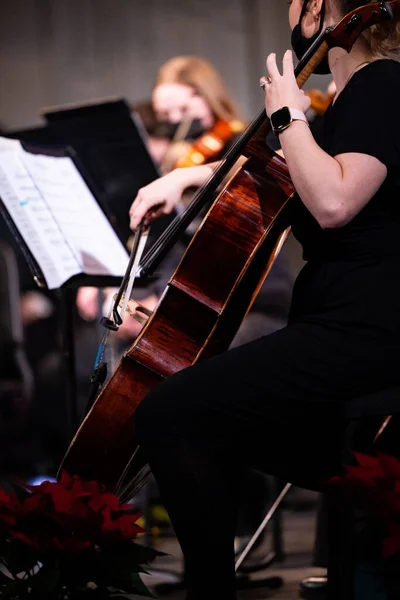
<point x="161" y="196"/>
<point x="158" y="198"/>
<point x="348" y="181"/>
<point x="87" y="302"/>
<point x="282" y="90"/>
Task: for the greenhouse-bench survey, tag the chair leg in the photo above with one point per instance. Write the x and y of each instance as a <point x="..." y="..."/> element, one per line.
<point x="263" y="525"/>
<point x="277" y="537"/>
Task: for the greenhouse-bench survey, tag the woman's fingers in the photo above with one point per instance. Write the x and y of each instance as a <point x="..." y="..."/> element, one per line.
<point x="158" y="198"/>
<point x="153" y="214"/>
<point x="144" y="208"/>
<point x="272" y="67"/>
<point x="264" y="81"/>
<point x="287" y="64"/>
<point x="158" y="210"/>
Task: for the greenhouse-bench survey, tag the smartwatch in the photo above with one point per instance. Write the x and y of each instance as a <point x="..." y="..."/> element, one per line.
<point x="282" y="118"/>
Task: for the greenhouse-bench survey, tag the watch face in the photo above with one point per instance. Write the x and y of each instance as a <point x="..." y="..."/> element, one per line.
<point x="281" y="118"/>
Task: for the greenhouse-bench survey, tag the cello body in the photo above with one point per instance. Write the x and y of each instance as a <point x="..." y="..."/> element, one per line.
<point x="197" y="317"/>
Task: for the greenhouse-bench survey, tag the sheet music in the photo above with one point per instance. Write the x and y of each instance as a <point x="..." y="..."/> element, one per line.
<point x="92" y="240"/>
<point x="34" y="220"/>
<point x="9" y="144"/>
<point x="57" y="216"/>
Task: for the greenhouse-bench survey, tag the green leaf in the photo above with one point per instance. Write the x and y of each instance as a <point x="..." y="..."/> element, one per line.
<point x="21" y="557"/>
<point x="138" y="587"/>
<point x="118" y="571"/>
<point x="46" y="579"/>
<point x="17" y="588"/>
<point x="130" y="583"/>
<point x="4" y="547"/>
<point x="3" y="577"/>
<point x="20" y="491"/>
<point x="133" y="556"/>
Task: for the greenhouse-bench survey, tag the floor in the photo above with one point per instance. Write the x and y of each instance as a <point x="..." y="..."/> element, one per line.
<point x="298" y="542"/>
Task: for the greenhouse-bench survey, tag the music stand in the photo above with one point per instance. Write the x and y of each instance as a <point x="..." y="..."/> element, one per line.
<point x="66" y="291"/>
<point x="110" y="141"/>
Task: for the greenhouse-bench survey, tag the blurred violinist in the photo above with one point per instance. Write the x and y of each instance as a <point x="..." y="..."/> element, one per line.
<point x="190" y="96"/>
<point x="320" y="101"/>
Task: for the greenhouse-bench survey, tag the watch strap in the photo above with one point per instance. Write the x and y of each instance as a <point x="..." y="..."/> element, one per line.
<point x="297" y="115"/>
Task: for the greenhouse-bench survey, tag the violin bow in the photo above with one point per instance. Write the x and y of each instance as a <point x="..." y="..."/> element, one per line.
<point x="180" y="136"/>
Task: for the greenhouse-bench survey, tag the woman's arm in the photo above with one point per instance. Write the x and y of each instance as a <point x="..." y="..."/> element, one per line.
<point x="333" y="189"/>
<point x="161" y="196"/>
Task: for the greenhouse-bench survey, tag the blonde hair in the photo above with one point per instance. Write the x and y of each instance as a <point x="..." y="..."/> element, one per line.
<point x="383" y="40"/>
<point x="204" y="79"/>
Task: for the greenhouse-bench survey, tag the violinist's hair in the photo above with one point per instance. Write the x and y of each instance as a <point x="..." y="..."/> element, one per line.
<point x="383" y="39"/>
<point x="200" y="75"/>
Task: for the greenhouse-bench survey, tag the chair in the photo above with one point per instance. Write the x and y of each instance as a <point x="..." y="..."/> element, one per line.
<point x="341" y="574"/>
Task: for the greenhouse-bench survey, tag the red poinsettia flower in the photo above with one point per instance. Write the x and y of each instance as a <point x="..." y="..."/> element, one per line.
<point x="80" y="487"/>
<point x="120" y="526"/>
<point x="75" y="529"/>
<point x="8" y="506"/>
<point x="46" y="543"/>
<point x="100" y="502"/>
<point x="378" y="478"/>
<point x="67" y="517"/>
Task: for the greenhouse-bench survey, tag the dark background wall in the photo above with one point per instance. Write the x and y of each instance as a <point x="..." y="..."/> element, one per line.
<point x="64" y="51"/>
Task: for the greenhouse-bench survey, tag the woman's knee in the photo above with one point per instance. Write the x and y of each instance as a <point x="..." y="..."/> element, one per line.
<point x="147" y="415"/>
<point x="161" y="414"/>
<point x="175" y="408"/>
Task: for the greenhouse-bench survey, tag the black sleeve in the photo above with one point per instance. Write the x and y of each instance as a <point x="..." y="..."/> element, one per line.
<point x="366" y="118"/>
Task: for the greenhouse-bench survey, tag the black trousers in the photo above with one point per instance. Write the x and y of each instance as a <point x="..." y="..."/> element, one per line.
<point x="274" y="404"/>
<point x="258" y="406"/>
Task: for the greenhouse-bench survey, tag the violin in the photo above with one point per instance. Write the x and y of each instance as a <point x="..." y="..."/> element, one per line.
<point x="210" y="145"/>
<point x="214" y="285"/>
<point x="320" y="101"/>
<point x="206" y="148"/>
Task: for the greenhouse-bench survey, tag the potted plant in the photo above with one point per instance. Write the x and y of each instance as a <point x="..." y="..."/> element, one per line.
<point x="69" y="540"/>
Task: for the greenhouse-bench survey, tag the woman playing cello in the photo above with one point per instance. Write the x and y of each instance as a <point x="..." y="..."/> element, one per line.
<point x="276" y="403"/>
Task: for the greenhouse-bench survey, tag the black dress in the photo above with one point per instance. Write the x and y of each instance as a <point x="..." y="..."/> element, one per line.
<point x="276" y="403"/>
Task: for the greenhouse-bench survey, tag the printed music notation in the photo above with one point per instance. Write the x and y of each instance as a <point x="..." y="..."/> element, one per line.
<point x="57" y="216"/>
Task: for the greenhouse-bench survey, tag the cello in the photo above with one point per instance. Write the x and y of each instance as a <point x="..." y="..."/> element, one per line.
<point x="205" y="300"/>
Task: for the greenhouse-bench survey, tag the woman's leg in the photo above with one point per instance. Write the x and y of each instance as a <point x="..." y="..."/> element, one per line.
<point x="199" y="427"/>
<point x="199" y="490"/>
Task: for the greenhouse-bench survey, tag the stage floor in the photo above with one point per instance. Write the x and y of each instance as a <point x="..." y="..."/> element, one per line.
<point x="299" y="528"/>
